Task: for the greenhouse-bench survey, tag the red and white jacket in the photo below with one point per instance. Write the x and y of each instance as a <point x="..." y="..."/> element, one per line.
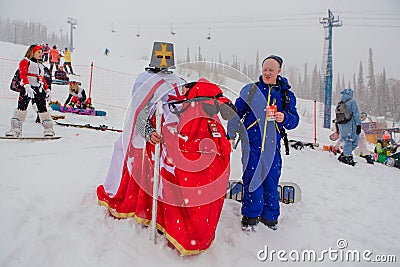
<point x="32" y="73"/>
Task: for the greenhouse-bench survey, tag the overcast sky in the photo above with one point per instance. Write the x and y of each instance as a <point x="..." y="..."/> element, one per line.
<point x="288" y="28"/>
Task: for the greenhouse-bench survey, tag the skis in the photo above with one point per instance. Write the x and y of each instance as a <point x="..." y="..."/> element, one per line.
<point x="30" y="138"/>
<point x="88" y="126"/>
<point x="289" y="192"/>
<point x="299" y="145"/>
<point x="90" y="112"/>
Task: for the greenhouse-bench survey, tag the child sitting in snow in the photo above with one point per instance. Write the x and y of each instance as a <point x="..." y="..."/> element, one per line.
<point x="60" y="74"/>
<point x="385" y="151"/>
<point x="77" y="97"/>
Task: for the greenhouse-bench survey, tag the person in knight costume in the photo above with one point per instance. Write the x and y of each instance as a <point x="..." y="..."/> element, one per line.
<point x="194" y="161"/>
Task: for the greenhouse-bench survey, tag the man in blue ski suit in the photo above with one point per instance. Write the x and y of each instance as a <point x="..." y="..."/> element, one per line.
<point x="260" y="135"/>
<point x="350" y="131"/>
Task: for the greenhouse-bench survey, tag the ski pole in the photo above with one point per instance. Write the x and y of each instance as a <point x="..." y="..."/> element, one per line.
<point x="156" y="174"/>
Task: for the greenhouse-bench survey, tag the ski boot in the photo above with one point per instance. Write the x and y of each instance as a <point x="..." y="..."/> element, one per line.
<point x="396" y="163"/>
<point x="369" y="159"/>
<point x="249" y="224"/>
<point x="273" y="225"/>
<point x="47" y="124"/>
<point x="347" y="159"/>
<point x="16" y="123"/>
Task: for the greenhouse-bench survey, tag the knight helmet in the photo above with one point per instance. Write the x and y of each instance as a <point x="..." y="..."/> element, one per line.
<point x="162" y="56"/>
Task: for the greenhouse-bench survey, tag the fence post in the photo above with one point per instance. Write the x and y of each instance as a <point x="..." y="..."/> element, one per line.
<point x="315" y="121"/>
<point x="91" y="75"/>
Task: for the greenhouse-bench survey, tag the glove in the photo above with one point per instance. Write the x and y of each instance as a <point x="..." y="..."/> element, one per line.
<point x="358" y="129"/>
<point x="29" y="91"/>
<point x="48" y="94"/>
<point x="392" y="149"/>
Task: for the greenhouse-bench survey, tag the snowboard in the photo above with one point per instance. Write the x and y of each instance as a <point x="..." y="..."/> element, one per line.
<point x="89" y="112"/>
<point x="31" y="138"/>
<point x="334" y="136"/>
<point x="289" y="192"/>
<point x="88" y="126"/>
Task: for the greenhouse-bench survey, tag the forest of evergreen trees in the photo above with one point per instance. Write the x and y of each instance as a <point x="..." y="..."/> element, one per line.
<point x="27" y="33"/>
<point x="375" y="94"/>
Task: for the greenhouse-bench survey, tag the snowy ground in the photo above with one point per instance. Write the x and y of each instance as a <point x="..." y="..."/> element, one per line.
<point x="50" y="215"/>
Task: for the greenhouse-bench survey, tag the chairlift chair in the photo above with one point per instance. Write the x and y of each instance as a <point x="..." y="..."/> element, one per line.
<point x="209" y="34"/>
<point x="172" y="30"/>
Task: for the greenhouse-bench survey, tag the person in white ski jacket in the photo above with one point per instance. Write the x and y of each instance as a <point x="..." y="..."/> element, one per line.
<point x="35" y="89"/>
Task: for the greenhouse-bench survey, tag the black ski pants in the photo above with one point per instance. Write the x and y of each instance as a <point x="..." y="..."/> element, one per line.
<point x="39" y="99"/>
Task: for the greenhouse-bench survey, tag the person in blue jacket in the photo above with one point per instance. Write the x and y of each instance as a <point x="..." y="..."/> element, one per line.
<point x="263" y="110"/>
<point x="350" y="131"/>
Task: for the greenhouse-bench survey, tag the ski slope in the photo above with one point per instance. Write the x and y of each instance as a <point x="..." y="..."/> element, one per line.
<point x="50" y="215"/>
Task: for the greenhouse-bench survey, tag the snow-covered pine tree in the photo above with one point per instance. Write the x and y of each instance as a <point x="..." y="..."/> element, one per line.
<point x="315" y="84"/>
<point x="306" y="83"/>
<point x="343" y="85"/>
<point x="362" y="94"/>
<point x="355" y="86"/>
<point x="383" y="97"/>
<point x="371" y="86"/>
<point x="187" y="55"/>
<point x="394" y="92"/>
<point x="257" y="67"/>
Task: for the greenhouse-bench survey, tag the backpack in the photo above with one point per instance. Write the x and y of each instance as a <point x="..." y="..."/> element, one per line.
<point x="47" y="76"/>
<point x="16" y="83"/>
<point x="343" y="114"/>
<point x="285" y="105"/>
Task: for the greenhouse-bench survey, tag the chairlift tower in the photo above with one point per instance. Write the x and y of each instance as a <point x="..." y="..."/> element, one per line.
<point x="328" y="23"/>
<point x="72" y="23"/>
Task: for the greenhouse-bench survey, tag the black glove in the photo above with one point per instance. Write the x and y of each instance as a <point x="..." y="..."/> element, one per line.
<point x="358" y="129"/>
